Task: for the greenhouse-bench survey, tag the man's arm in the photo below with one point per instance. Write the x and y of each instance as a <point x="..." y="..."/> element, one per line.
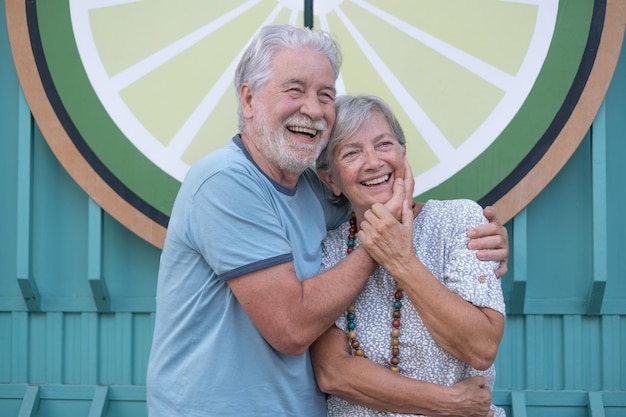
<point x="291" y="314"/>
<point x="364" y="382"/>
<point x="491" y="240"/>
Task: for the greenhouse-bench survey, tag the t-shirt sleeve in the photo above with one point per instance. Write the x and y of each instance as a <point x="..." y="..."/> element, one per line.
<point x="233" y="221"/>
<point x="472" y="279"/>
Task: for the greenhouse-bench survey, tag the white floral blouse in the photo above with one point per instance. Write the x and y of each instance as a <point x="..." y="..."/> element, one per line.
<point x="440" y="242"/>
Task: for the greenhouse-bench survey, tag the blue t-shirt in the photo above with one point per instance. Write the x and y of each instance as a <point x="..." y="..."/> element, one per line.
<point x="207" y="357"/>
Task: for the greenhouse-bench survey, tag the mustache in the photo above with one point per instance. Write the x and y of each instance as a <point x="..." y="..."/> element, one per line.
<point x="303" y="121"/>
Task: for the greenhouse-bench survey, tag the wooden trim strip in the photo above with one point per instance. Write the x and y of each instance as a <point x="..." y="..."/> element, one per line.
<point x="580" y="120"/>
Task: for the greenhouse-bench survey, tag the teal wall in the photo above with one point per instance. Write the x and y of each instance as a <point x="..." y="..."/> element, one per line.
<point x="77" y="288"/>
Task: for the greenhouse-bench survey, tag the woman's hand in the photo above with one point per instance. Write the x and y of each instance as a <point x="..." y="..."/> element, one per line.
<point x="389" y="241"/>
<point x="402" y="191"/>
<point x="472" y="398"/>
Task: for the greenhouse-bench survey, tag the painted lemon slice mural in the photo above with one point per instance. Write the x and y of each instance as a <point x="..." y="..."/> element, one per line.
<point x="142" y="89"/>
<point x="456" y="86"/>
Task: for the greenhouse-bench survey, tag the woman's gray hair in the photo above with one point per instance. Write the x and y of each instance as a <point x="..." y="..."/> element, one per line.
<point x="352" y="113"/>
<point x="255" y="66"/>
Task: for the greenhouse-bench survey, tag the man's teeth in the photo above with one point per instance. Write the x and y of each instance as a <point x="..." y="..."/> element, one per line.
<point x="305" y="130"/>
<point x="377" y="181"/>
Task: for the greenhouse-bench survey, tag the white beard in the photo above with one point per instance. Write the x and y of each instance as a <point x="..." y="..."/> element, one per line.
<point x="291" y="157"/>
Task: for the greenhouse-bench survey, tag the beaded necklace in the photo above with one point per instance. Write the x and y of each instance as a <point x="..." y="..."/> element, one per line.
<point x="351" y="312"/>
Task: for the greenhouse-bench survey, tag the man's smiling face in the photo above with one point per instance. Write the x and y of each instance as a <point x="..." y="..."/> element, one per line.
<point x="294" y="112"/>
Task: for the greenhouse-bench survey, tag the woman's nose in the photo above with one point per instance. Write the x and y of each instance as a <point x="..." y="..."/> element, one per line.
<point x="372" y="159"/>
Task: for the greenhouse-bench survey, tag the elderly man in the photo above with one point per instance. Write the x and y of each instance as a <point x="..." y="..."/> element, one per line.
<point x="240" y="298"/>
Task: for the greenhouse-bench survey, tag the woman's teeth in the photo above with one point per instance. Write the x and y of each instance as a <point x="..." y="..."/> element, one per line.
<point x="377" y="181"/>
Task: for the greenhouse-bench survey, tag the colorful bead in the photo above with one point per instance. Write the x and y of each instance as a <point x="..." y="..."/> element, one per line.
<point x="351" y="315"/>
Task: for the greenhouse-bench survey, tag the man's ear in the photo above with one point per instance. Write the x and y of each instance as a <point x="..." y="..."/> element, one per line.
<point x="328" y="180"/>
<point x="247" y="100"/>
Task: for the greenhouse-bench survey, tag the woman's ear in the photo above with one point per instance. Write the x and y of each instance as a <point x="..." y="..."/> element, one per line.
<point x="328" y="180"/>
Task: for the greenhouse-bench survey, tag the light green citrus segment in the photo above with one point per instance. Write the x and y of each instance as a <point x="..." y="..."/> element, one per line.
<point x="218" y="129"/>
<point x="360" y="77"/>
<point x="450" y="103"/>
<point x="459" y="103"/>
<point x="494" y="31"/>
<point x="536" y="118"/>
<point x="164" y="99"/>
<point x="222" y="123"/>
<point x="143" y="28"/>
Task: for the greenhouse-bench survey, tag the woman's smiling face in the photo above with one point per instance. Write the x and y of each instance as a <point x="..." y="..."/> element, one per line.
<point x="365" y="165"/>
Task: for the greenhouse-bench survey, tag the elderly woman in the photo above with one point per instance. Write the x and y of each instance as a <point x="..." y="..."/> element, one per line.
<point x="432" y="314"/>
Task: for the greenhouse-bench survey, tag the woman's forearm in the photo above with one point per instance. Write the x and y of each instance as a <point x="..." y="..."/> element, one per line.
<point x="364" y="382"/>
<point x="471" y="334"/>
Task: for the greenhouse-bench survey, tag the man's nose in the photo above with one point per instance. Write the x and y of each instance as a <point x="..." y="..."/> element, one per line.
<point x="312" y="107"/>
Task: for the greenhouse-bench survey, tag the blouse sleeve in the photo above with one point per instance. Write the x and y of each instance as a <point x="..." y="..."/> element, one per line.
<point x="466" y="275"/>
